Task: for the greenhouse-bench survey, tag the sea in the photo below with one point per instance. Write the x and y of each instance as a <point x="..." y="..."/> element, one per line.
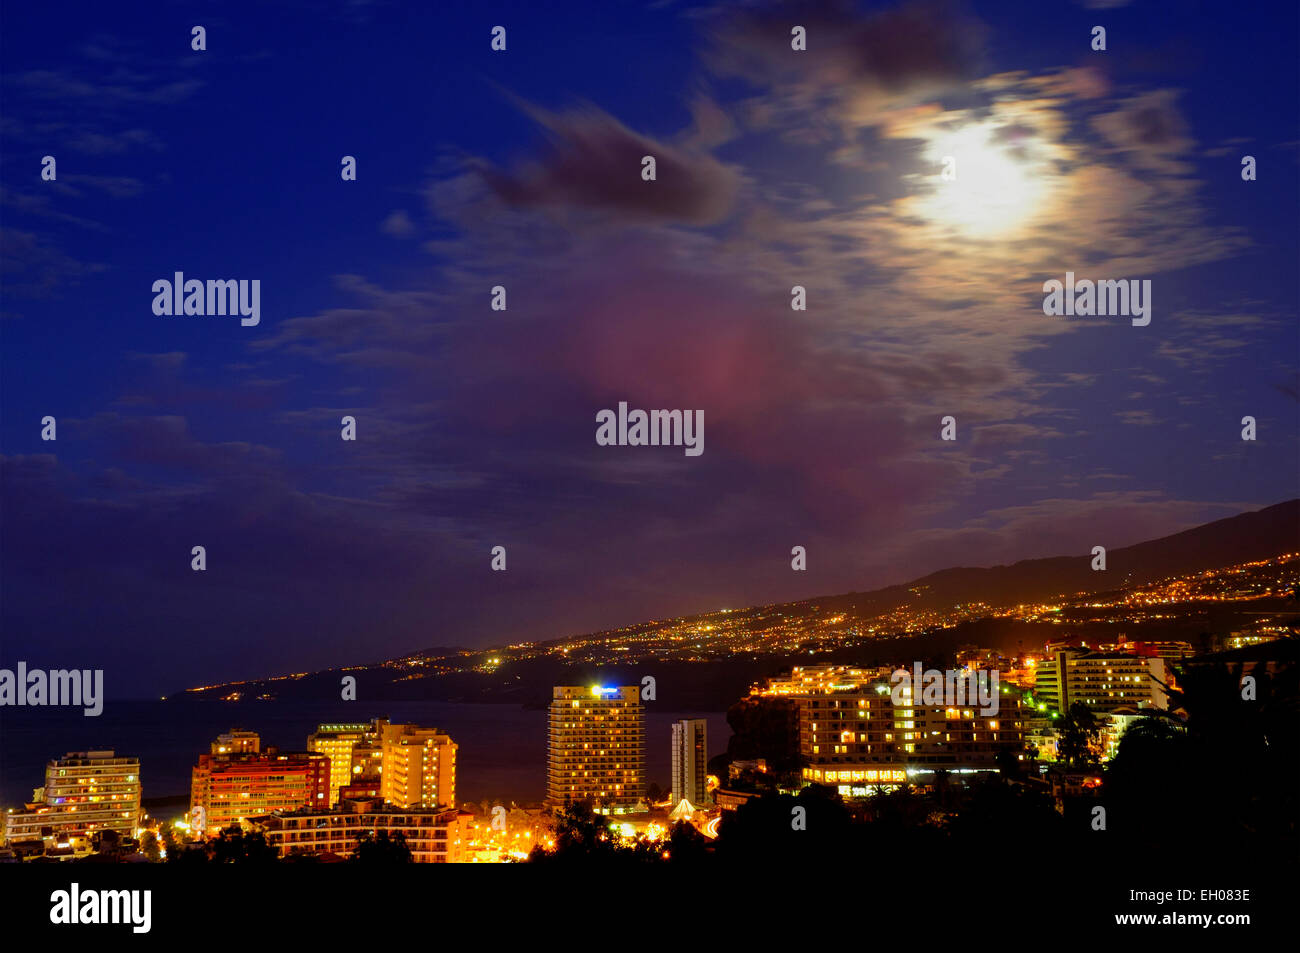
<point x="501" y="753"/>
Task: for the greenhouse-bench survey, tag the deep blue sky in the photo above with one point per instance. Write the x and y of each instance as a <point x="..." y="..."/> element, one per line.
<point x="476" y="428"/>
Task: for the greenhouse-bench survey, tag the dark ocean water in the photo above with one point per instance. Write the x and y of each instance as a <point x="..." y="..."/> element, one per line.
<point x="502" y="751"/>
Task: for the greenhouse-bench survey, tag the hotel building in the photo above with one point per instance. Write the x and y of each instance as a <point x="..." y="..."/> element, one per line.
<point x="690" y="761"/>
<point x="85" y="792"/>
<point x="418" y="767"/>
<point x="355" y="750"/>
<point x="853" y="737"/>
<point x="434" y="835"/>
<point x="596" y="748"/>
<point x="1047" y="682"/>
<point x="231" y="788"/>
<point x="1102" y="681"/>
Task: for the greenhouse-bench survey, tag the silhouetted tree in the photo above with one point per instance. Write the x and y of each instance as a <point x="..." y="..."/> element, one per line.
<point x="1218" y="787"/>
<point x="765" y="728"/>
<point x="183" y="851"/>
<point x="581" y="833"/>
<point x="381" y="849"/>
<point x="769" y="828"/>
<point x="686" y="845"/>
<point x="993" y="809"/>
<point x="1078" y="729"/>
<point x="149" y="846"/>
<point x="1009" y="764"/>
<point x="233" y="846"/>
<point x="584" y="836"/>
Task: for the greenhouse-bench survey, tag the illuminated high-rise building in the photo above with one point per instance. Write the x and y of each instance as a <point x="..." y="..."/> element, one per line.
<point x="1047" y="681"/>
<point x="1106" y="681"/>
<point x="690" y="761"/>
<point x="596" y="748"/>
<point x="354" y="749"/>
<point x="1102" y="681"/>
<point x="418" y="767"/>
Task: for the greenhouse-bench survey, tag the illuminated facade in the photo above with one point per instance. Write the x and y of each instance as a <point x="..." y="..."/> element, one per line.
<point x="690" y="760"/>
<point x="366" y="787"/>
<point x="232" y="788"/>
<point x="1169" y="650"/>
<point x="1115" y="724"/>
<point x="1042" y="740"/>
<point x="814" y="679"/>
<point x="1240" y="640"/>
<point x="85" y="792"/>
<point x="419" y="767"/>
<point x="1102" y="681"/>
<point x="857" y="739"/>
<point x="355" y="750"/>
<point x="434" y="835"/>
<point x="853" y="737"/>
<point x="596" y="748"/>
<point x="1047" y="682"/>
<point x="728" y="799"/>
<point x="237" y="742"/>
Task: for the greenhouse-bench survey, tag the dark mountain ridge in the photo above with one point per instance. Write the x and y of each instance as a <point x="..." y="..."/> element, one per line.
<point x="1259" y="534"/>
<point x="1254" y="536"/>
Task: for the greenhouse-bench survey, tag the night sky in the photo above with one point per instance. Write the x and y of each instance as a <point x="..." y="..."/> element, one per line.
<point x="476" y="428"/>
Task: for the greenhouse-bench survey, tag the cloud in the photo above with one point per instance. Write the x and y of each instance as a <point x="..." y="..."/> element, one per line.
<point x="594" y="162"/>
<point x="101" y="143"/>
<point x="398" y="224"/>
<point x="119" y="87"/>
<point x="42" y="206"/>
<point x="856" y="68"/>
<point x="32" y="267"/>
<point x="115" y="186"/>
<point x="165" y="443"/>
<point x="95" y="105"/>
<point x="1149" y="131"/>
<point x="828" y="418"/>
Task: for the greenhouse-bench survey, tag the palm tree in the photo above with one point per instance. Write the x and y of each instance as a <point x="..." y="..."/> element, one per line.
<point x="1079" y="730"/>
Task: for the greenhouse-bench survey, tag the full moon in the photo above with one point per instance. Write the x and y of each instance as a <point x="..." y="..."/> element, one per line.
<point x="985" y="189"/>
